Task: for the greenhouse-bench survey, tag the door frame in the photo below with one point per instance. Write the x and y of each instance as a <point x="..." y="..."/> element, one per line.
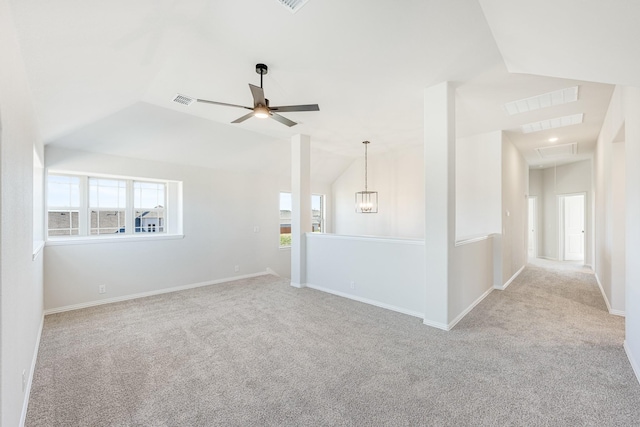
<point x="560" y="204"/>
<point x="535" y="226"/>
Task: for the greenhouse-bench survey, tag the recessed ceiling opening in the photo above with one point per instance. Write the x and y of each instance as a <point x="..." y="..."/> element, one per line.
<point x="558" y="97"/>
<point x="558" y="151"/>
<point x="293" y="5"/>
<point x="183" y="99"/>
<point x="558" y="122"/>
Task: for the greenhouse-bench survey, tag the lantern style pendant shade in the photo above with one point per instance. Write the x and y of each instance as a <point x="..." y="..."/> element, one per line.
<point x="366" y="201"/>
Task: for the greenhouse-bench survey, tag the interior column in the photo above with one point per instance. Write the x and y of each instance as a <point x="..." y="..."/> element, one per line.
<point x="439" y="188"/>
<point x="300" y="207"/>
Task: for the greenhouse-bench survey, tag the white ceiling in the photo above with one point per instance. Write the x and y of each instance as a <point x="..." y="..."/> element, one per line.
<point x="103" y="74"/>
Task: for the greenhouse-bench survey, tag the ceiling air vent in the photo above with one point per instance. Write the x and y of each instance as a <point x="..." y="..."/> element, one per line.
<point x="557" y="151"/>
<point x="562" y="96"/>
<point x="559" y="122"/>
<point x="293" y="5"/>
<point x="183" y="99"/>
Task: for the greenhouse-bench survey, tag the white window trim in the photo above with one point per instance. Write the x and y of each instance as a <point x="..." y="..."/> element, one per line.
<point x="323" y="213"/>
<point x="173" y="212"/>
<point x="84" y="240"/>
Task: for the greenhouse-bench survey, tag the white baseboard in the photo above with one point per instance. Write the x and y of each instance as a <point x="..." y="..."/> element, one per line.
<point x="299" y="285"/>
<point x="606" y="300"/>
<point x="632" y="360"/>
<point x="151" y="293"/>
<point x="27" y="391"/>
<point x="438" y="325"/>
<point x="366" y="300"/>
<point x="271" y="272"/>
<point x="508" y="282"/>
<point x="458" y="318"/>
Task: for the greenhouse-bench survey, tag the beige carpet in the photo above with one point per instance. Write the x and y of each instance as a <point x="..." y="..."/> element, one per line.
<point x="258" y="352"/>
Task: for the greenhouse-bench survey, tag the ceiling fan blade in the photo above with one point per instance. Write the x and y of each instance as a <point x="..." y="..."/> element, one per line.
<point x="258" y="95"/>
<point x="289" y="108"/>
<point x="223" y="103"/>
<point x="243" y="118"/>
<point x="283" y="120"/>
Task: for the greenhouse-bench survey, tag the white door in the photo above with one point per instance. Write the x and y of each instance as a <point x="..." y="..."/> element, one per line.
<point x="574" y="228"/>
<point x="533" y="243"/>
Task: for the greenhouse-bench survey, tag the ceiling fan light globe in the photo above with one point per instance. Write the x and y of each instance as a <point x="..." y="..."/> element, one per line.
<point x="261" y="112"/>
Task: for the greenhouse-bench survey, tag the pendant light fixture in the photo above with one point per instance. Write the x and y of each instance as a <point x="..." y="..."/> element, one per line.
<point x="366" y="201"/>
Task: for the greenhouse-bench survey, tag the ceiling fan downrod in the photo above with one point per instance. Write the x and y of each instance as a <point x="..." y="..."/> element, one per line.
<point x="261" y="69"/>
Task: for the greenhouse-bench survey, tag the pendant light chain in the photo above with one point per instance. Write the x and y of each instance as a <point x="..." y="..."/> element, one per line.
<point x="366" y="143"/>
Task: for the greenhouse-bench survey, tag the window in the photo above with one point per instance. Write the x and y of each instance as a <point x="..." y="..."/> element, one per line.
<point x="107" y="206"/>
<point x="285" y="220"/>
<point x="98" y="206"/>
<point x="317" y="213"/>
<point x="148" y="202"/>
<point x="317" y="216"/>
<point x="64" y="205"/>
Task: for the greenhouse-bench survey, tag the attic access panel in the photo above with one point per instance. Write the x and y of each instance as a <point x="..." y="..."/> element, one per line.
<point x="558" y="151"/>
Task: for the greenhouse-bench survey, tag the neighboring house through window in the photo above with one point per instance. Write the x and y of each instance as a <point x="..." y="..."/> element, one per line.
<point x="92" y="206"/>
<point x="317" y="216"/>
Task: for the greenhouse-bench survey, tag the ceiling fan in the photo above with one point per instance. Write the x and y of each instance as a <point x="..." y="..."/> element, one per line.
<point x="261" y="108"/>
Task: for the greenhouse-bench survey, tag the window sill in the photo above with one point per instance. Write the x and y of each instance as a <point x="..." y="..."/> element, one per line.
<point x="63" y="241"/>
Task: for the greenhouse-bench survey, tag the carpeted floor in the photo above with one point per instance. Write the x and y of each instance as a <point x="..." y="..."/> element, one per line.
<point x="258" y="352"/>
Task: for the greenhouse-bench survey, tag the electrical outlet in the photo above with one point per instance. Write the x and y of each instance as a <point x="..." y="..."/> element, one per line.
<point x="24" y="380"/>
<point x="102" y="289"/>
<point x="237" y="268"/>
<point x="352" y="284"/>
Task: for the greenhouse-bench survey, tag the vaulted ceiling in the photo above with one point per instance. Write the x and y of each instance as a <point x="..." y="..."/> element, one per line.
<point x="103" y="75"/>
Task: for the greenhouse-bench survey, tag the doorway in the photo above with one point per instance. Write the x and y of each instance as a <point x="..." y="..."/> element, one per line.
<point x="571" y="221"/>
<point x="533" y="228"/>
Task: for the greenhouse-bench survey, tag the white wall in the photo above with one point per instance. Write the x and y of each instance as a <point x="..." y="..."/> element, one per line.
<point x="536" y="190"/>
<point x="397" y="176"/>
<point x="566" y="179"/>
<point x="631" y="108"/>
<point x="621" y="127"/>
<point x="20" y="276"/>
<point x="609" y="181"/>
<point x="478" y="185"/>
<point x="472" y="277"/>
<point x="515" y="187"/>
<point x="385" y="272"/>
<point x="221" y="209"/>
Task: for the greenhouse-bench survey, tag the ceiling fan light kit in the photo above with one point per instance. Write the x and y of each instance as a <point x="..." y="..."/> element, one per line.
<point x="261" y="108"/>
<point x="366" y="201"/>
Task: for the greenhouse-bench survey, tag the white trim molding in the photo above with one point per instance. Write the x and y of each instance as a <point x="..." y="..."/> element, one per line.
<point x="460" y="316"/>
<point x="37" y="248"/>
<point x="298" y="285"/>
<point x="151" y="293"/>
<point x="419" y="242"/>
<point x="86" y="240"/>
<point x="438" y="325"/>
<point x="27" y="390"/>
<point x="508" y="282"/>
<point x="365" y="300"/>
<point x="632" y="361"/>
<point x="606" y="300"/>
<point x="473" y="239"/>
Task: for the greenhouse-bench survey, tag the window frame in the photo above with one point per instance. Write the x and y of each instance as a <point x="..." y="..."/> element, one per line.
<point x="323" y="220"/>
<point x="171" y="211"/>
